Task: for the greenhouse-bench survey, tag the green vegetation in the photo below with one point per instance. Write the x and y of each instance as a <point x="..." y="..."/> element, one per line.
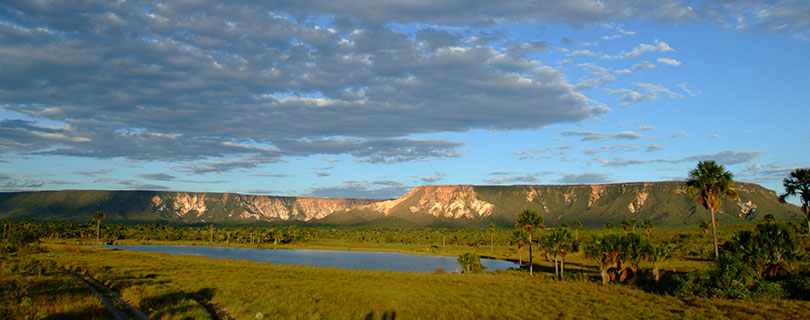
<point x="798" y="184"/>
<point x="528" y="220"/>
<point x="164" y="286"/>
<point x="708" y="183"/>
<point x="470" y="262"/>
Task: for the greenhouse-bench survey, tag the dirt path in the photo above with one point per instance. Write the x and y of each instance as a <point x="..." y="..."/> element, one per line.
<point x="111" y="299"/>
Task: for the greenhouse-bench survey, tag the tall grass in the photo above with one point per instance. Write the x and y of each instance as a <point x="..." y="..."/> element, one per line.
<point x="300" y="292"/>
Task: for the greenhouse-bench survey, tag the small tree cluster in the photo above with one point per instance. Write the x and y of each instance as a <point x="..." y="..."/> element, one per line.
<point x="754" y="262"/>
<point x="619" y="256"/>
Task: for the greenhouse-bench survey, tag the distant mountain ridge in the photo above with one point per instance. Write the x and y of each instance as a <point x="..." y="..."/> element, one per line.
<point x="447" y="205"/>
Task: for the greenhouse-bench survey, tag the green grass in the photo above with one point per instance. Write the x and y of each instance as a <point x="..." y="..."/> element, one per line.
<point x="299" y="292"/>
<point x="34" y="290"/>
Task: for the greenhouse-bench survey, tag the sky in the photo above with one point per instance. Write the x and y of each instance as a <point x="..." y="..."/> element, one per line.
<point x="367" y="99"/>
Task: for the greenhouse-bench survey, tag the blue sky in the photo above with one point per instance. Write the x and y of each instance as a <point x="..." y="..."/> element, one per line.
<point x="312" y="98"/>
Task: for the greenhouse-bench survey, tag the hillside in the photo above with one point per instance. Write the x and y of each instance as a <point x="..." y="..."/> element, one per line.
<point x="662" y="202"/>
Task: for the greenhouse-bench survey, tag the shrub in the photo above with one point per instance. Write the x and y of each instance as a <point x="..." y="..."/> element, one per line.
<point x="768" y="290"/>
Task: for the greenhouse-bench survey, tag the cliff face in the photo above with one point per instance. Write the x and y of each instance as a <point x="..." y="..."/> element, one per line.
<point x="249" y="207"/>
<point x="662" y="202"/>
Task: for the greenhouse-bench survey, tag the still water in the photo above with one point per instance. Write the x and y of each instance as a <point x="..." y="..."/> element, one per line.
<point x="364" y="260"/>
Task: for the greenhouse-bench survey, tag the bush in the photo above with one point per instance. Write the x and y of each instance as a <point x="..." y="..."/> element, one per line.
<point x="768" y="290"/>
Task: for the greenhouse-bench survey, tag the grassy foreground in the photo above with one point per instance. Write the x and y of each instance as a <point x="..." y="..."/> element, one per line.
<point x="161" y="285"/>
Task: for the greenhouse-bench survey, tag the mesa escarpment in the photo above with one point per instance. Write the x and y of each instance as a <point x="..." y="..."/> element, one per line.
<point x="662" y="202"/>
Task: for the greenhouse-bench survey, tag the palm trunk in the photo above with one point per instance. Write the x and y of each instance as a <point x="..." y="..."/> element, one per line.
<point x="562" y="268"/>
<point x="714" y="232"/>
<point x="98" y="229"/>
<point x="556" y="269"/>
<point x="531" y="261"/>
<point x="521" y="257"/>
<point x="603" y="271"/>
<point x="492" y="244"/>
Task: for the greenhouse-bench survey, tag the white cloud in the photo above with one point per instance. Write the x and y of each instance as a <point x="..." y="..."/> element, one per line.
<point x="589" y="135"/>
<point x="584" y="178"/>
<point x="437" y="176"/>
<point x="658" y="47"/>
<point x="669" y="61"/>
<point x="582" y="53"/>
<point x="644" y="92"/>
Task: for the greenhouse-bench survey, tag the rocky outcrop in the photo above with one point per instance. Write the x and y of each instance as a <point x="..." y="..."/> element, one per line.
<point x="454" y="202"/>
<point x="181" y="204"/>
<point x="663" y="202"/>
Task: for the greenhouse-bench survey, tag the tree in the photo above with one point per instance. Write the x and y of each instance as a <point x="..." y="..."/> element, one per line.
<point x="707" y="183"/>
<point x="470" y="262"/>
<point x="798" y="184"/>
<point x="634" y="224"/>
<point x="604" y="250"/>
<point x="491" y="231"/>
<point x="769" y="250"/>
<point x="648" y="225"/>
<point x="559" y="243"/>
<point x="625" y="224"/>
<point x="609" y="226"/>
<point x="576" y="224"/>
<point x="98" y="216"/>
<point x="633" y="249"/>
<point x="211" y="229"/>
<point x="658" y="255"/>
<point x="528" y="220"/>
<point x="520" y="238"/>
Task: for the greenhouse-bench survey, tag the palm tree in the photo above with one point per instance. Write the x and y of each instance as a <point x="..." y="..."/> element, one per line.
<point x="799" y="184"/>
<point x="520" y="238"/>
<point x="576" y="224"/>
<point x="98" y="216"/>
<point x="470" y="262"/>
<point x="528" y="220"/>
<point x="708" y="182"/>
<point x="648" y="225"/>
<point x="604" y="250"/>
<point x="559" y="243"/>
<point x="658" y="255"/>
<point x="211" y="229"/>
<point x="634" y="249"/>
<point x="491" y="231"/>
<point x="625" y="224"/>
<point x="609" y="226"/>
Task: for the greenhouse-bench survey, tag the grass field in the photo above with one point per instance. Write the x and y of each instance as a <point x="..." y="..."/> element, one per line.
<point x="165" y="286"/>
<point x="161" y="284"/>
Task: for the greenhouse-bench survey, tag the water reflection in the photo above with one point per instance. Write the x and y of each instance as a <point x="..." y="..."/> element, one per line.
<point x="324" y="258"/>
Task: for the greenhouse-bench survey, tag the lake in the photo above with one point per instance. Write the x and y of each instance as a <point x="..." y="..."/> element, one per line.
<point x="365" y="260"/>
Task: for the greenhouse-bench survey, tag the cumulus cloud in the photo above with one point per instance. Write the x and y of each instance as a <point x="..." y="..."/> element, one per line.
<point x="657" y="47"/>
<point x="196" y="82"/>
<point x="644" y="92"/>
<point x="641" y="66"/>
<point x="669" y="61"/>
